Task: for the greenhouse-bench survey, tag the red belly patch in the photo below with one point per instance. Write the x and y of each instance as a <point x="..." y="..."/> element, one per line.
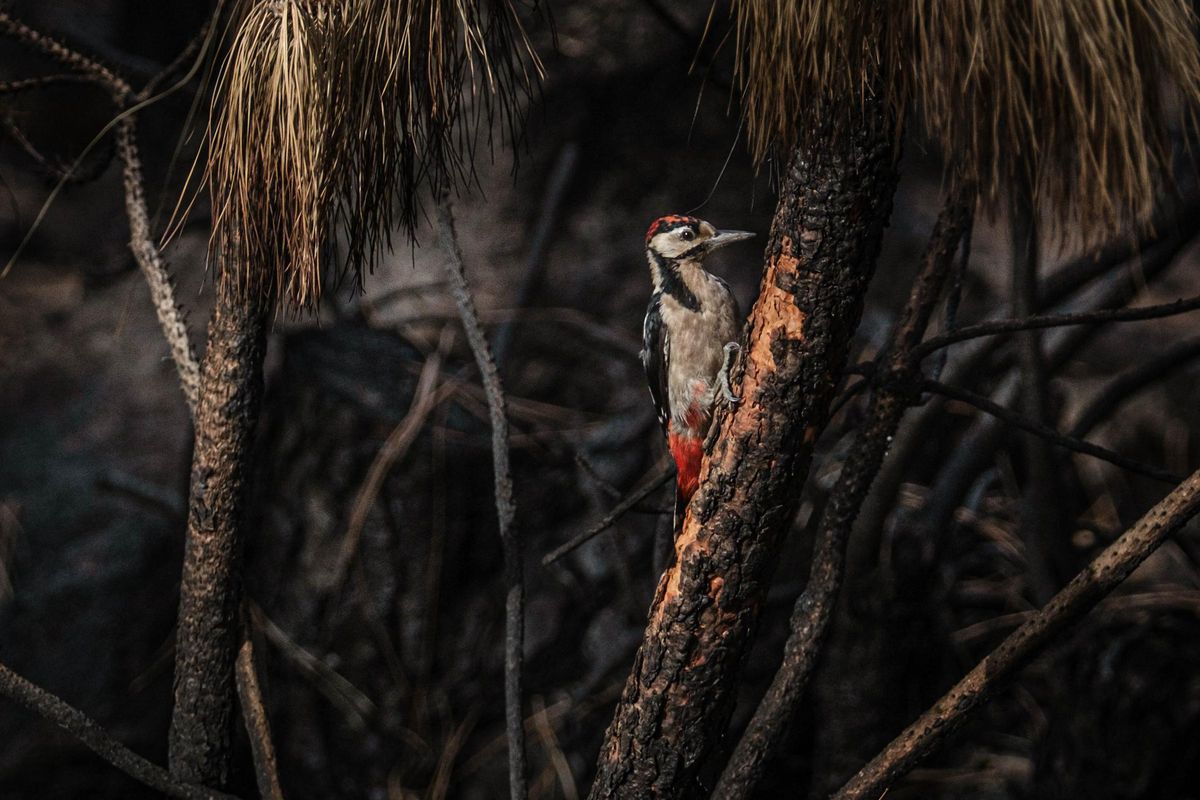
<point x="687" y="452"/>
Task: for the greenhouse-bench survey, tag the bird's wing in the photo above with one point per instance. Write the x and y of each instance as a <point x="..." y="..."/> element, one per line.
<point x="654" y="359"/>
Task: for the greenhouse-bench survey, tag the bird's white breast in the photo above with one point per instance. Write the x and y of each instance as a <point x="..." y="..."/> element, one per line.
<point x="696" y="350"/>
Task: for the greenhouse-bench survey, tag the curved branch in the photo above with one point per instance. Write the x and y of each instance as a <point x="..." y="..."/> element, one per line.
<point x="171" y="318"/>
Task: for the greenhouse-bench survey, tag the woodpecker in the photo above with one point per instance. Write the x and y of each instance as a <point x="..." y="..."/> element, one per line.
<point x="689" y="338"/>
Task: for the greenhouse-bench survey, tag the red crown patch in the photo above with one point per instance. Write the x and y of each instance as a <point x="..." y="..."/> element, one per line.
<point x="667" y="223"/>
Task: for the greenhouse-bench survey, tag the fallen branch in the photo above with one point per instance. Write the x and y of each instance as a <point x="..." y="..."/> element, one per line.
<point x="1099" y="578"/>
<point x="514" y="619"/>
<point x="97" y="739"/>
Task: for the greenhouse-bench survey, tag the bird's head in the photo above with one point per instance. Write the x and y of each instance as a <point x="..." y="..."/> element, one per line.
<point x="680" y="238"/>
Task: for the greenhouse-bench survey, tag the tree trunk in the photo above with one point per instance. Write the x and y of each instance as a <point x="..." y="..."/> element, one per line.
<point x="207" y="637"/>
<point x="834" y="204"/>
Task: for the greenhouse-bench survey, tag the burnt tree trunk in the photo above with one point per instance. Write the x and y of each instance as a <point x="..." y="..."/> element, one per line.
<point x="207" y="637"/>
<point x="834" y="204"/>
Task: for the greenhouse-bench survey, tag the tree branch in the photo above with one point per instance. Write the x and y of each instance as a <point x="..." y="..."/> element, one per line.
<point x="814" y="609"/>
<point x="1099" y="578"/>
<point x="834" y="201"/>
<point x="1133" y="381"/>
<point x="514" y="621"/>
<point x="171" y="317"/>
<point x="1029" y="425"/>
<point x="97" y="739"/>
<point x="209" y="632"/>
<point x="618" y="511"/>
<point x="254" y="714"/>
<point x="1003" y="326"/>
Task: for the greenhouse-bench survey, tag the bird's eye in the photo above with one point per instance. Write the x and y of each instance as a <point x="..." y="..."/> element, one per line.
<point x="687" y="235"/>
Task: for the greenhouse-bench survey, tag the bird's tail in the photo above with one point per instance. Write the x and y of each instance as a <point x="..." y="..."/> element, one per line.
<point x="680" y="509"/>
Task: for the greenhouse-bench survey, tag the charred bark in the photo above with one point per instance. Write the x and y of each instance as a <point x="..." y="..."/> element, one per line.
<point x="814" y="609"/>
<point x="834" y="204"/>
<point x="208" y="632"/>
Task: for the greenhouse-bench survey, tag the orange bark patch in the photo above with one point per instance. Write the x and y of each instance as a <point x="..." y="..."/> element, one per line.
<point x="775" y="315"/>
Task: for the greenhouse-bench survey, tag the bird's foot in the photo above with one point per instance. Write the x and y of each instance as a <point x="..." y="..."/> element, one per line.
<point x="731" y="349"/>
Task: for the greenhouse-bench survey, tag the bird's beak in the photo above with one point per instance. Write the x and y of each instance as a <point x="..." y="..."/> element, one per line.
<point x="722" y="238"/>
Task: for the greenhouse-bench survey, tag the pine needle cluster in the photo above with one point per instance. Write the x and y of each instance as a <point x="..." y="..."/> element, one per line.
<point x="333" y="117"/>
<point x="1065" y="97"/>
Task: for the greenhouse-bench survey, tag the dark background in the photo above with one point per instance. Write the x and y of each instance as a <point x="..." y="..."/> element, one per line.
<point x="388" y="682"/>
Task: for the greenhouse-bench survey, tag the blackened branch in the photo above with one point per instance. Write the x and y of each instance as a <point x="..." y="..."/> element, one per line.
<point x="514" y="623"/>
<point x="97" y="739"/>
<point x="1003" y="326"/>
<point x="814" y="609"/>
<point x="1084" y="591"/>
<point x="619" y="510"/>
<point x="1025" y="423"/>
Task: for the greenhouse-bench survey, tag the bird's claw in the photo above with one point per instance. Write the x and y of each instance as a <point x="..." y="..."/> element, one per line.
<point x="731" y="348"/>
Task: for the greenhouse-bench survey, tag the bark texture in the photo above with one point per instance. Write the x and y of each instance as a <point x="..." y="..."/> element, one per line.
<point x="834" y="204"/>
<point x="208" y="635"/>
<point x="814" y="609"/>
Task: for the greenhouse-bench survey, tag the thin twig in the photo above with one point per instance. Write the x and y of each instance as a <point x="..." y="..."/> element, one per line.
<point x="543" y="234"/>
<point x="977" y="448"/>
<point x="97" y="739"/>
<point x="1134" y="380"/>
<point x="814" y="609"/>
<point x="1002" y="326"/>
<point x="356" y="708"/>
<point x="514" y="620"/>
<point x="19" y="31"/>
<point x="1083" y="592"/>
<point x="1038" y="515"/>
<point x="198" y="43"/>
<point x="43" y="81"/>
<point x="1154" y="255"/>
<point x="554" y="752"/>
<point x="426" y="397"/>
<point x="618" y="511"/>
<point x="171" y="318"/>
<point x="1023" y="422"/>
<point x="254" y="714"/>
